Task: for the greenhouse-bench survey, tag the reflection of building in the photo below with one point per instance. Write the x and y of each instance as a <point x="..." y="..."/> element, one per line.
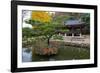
<point x="75" y="27"/>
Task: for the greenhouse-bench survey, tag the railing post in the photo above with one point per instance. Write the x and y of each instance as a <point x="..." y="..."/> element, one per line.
<point x="65" y="35"/>
<point x="72" y="34"/>
<point x="59" y="34"/>
<point x="80" y="34"/>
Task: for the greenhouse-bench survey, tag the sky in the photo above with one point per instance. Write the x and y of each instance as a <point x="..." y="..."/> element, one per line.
<point x="26" y="15"/>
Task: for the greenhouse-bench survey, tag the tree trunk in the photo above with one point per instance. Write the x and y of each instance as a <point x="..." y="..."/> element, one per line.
<point x="48" y="41"/>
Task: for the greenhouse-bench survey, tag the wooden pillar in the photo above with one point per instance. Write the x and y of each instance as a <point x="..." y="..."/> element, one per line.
<point x="80" y="31"/>
<point x="59" y="34"/>
<point x="65" y="35"/>
<point x="72" y="34"/>
<point x="80" y="34"/>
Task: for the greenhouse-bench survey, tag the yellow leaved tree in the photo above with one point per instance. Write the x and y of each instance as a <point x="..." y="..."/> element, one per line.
<point x="41" y="16"/>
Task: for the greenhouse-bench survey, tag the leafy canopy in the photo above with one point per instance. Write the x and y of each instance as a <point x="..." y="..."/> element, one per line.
<point x="41" y="16"/>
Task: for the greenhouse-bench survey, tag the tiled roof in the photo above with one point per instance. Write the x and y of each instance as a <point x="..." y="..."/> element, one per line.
<point x="73" y="22"/>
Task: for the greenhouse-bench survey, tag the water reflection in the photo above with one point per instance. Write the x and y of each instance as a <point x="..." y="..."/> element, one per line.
<point x="65" y="53"/>
<point x="26" y="55"/>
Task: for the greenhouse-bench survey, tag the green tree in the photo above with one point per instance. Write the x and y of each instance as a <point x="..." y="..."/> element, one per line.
<point x="27" y="32"/>
<point x="61" y="18"/>
<point x="86" y="18"/>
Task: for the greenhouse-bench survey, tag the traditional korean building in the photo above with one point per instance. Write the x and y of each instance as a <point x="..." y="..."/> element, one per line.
<point x="75" y="27"/>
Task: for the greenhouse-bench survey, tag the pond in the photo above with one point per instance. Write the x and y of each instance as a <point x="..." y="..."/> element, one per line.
<point x="64" y="53"/>
<point x="26" y="55"/>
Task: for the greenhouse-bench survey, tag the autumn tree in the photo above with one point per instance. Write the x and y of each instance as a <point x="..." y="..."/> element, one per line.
<point x="41" y="16"/>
